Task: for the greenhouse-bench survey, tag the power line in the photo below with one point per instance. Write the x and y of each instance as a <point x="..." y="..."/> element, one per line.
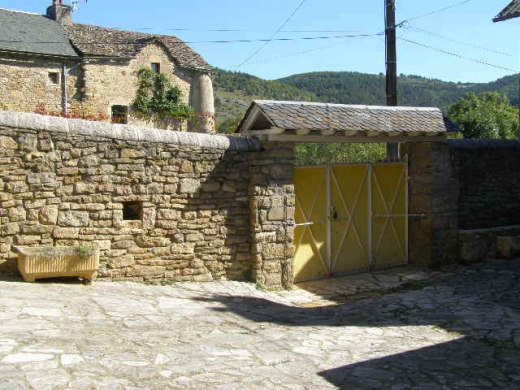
<point x="215" y="41"/>
<point x="272" y="37"/>
<point x="309" y="51"/>
<point x="228" y="30"/>
<point x="435" y="11"/>
<point x="457" y="41"/>
<point x="458" y="55"/>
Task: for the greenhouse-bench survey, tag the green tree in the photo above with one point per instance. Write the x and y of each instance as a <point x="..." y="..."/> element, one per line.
<point x="487" y="115"/>
<point x="316" y="154"/>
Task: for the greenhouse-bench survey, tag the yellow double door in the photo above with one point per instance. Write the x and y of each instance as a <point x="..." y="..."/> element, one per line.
<point x="350" y="218"/>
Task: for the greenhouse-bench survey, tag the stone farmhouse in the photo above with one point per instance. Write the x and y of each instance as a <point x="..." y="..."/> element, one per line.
<point x="49" y="64"/>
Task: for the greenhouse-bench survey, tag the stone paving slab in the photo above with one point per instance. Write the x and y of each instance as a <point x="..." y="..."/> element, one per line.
<point x="456" y="329"/>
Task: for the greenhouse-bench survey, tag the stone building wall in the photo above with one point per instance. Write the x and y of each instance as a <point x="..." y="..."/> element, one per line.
<point x="114" y="82"/>
<point x="206" y="200"/>
<point x="25" y="85"/>
<point x="93" y="85"/>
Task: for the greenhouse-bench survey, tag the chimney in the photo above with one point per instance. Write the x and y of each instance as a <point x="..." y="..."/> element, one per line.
<point x="62" y="13"/>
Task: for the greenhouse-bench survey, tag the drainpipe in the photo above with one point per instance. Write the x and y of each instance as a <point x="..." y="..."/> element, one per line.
<point x="64" y="87"/>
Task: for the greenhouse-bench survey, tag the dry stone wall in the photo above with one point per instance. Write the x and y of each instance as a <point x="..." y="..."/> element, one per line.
<point x="463" y="194"/>
<point x="489" y="184"/>
<point x="208" y="207"/>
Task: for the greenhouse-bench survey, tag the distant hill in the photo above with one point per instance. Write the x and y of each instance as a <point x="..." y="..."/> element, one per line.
<point x="362" y="88"/>
<point x="234" y="91"/>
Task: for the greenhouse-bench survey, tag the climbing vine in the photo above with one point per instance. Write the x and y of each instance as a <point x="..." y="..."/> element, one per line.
<point x="156" y="97"/>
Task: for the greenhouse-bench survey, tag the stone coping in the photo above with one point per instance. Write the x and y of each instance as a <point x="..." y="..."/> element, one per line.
<point x="484" y="143"/>
<point x="21" y="120"/>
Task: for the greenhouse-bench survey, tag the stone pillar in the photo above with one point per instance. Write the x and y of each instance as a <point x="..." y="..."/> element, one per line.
<point x="433" y="201"/>
<point x="272" y="205"/>
<point x="204" y="103"/>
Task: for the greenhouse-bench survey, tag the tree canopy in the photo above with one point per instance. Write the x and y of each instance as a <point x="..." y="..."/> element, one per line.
<point x="487" y="115"/>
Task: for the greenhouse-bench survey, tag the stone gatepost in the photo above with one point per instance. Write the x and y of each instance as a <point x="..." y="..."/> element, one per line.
<point x="272" y="205"/>
<point x="433" y="202"/>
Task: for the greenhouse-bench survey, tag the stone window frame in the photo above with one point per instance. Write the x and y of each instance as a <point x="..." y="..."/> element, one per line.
<point x="156" y="67"/>
<point x="53" y="78"/>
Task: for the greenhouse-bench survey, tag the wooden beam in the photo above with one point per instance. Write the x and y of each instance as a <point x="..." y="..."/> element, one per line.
<point x="328" y="132"/>
<point x="272" y="130"/>
<point x="303" y="131"/>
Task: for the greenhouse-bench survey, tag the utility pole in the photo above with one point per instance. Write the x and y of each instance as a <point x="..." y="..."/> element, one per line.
<point x="392" y="148"/>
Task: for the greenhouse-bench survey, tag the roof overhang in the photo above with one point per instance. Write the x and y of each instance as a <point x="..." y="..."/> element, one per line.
<point x="303" y="122"/>
<point x="42" y="55"/>
<point x="510" y="12"/>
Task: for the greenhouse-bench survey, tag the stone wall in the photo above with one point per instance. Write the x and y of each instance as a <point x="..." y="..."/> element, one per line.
<point x="205" y="200"/>
<point x="456" y="187"/>
<point x="489" y="183"/>
<point x="272" y="201"/>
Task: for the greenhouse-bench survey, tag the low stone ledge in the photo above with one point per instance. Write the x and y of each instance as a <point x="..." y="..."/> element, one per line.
<point x="508" y="247"/>
<point x="20" y="120"/>
<point x="478" y="244"/>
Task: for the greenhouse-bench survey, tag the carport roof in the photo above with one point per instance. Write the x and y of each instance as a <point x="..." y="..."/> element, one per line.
<point x="325" y="122"/>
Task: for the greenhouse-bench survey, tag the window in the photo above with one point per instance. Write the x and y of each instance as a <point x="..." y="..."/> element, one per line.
<point x="132" y="211"/>
<point x="156" y="67"/>
<point x="54" y="78"/>
<point x="120" y="114"/>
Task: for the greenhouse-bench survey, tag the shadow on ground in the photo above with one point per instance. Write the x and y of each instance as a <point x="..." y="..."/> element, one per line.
<point x="480" y="303"/>
<point x="462" y="364"/>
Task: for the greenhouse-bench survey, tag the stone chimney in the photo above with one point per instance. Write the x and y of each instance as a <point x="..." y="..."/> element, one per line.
<point x="62" y="13"/>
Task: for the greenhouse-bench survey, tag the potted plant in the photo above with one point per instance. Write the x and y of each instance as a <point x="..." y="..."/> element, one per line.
<point x="50" y="262"/>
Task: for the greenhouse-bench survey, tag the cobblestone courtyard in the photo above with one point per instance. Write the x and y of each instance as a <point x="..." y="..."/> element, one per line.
<point x="450" y="330"/>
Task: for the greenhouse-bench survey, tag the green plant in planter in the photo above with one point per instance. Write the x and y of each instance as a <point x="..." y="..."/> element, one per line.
<point x="157" y="98"/>
<point x="83" y="250"/>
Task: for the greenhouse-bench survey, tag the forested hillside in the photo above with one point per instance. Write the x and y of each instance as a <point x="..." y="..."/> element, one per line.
<point x="235" y="91"/>
<point x="361" y="88"/>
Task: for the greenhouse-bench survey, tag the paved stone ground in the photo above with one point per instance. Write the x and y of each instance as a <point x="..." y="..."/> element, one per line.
<point x="455" y="330"/>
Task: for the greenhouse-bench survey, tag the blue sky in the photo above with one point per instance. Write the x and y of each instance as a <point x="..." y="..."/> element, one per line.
<point x="469" y="24"/>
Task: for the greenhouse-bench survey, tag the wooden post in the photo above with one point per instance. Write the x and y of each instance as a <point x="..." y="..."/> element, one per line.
<point x="392" y="148"/>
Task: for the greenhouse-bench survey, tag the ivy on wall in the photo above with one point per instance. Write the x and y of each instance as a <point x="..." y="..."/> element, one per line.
<point x="157" y="97"/>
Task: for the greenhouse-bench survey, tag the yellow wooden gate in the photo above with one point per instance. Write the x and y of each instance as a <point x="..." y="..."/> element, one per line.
<point x="350" y="218"/>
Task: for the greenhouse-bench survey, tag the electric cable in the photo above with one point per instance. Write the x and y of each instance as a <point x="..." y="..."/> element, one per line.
<point x="406" y="26"/>
<point x="272" y="37"/>
<point x="215" y="41"/>
<point x="458" y="55"/>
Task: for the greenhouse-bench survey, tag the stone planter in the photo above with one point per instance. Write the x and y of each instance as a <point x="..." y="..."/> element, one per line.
<point x="51" y="262"/>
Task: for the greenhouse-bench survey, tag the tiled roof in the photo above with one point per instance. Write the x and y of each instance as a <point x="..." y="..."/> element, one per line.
<point x="336" y="118"/>
<point x="510" y="12"/>
<point x="109" y="42"/>
<point x="33" y="33"/>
